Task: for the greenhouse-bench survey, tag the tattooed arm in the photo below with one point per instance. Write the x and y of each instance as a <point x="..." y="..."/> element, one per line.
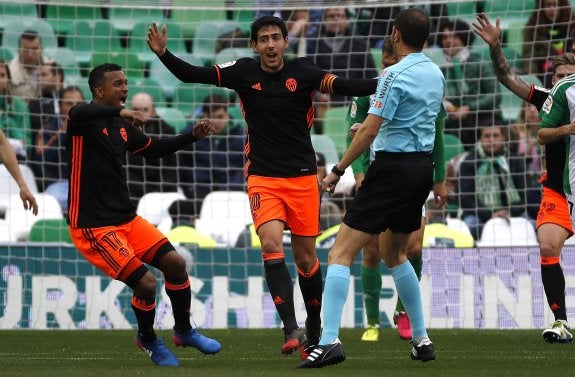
<point x="491" y="35"/>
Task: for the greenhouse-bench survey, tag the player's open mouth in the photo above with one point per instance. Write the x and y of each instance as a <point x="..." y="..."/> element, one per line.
<point x="123" y="102"/>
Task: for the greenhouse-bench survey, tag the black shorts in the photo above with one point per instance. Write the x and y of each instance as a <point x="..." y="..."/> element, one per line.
<point x="392" y="194"/>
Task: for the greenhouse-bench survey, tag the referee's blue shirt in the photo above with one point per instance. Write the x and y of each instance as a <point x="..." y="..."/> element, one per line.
<point x="408" y="97"/>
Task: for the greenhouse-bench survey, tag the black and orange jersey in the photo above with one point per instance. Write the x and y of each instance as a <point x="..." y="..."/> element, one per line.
<point x="97" y="142"/>
<point x="278" y="109"/>
<point x="556" y="152"/>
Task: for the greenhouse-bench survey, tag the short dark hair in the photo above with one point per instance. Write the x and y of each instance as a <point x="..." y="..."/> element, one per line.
<point x="460" y="29"/>
<point x="266" y="21"/>
<point x="214" y="102"/>
<point x="96" y="77"/>
<point x="414" y="26"/>
<point x="56" y="69"/>
<point x="387" y="46"/>
<point x="28" y="35"/>
<point x="72" y="88"/>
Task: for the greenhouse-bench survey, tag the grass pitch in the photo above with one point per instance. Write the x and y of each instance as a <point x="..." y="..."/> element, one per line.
<point x="484" y="353"/>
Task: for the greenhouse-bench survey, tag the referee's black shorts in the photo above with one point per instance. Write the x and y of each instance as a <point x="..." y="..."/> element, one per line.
<point x="392" y="194"/>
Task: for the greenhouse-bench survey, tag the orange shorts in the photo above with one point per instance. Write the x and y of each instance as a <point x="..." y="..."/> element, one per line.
<point x="119" y="250"/>
<point x="554" y="209"/>
<point x="295" y="201"/>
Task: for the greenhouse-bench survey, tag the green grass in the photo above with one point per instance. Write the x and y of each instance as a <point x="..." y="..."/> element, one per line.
<point x="485" y="353"/>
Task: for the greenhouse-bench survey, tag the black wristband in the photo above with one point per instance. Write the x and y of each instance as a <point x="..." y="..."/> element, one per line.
<point x="336" y="171"/>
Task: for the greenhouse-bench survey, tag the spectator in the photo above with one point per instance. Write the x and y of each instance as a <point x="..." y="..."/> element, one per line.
<point x="491" y="183"/>
<point x="545" y="35"/>
<point x="215" y="163"/>
<point x="375" y="22"/>
<point x="523" y="144"/>
<point x="15" y="121"/>
<point x="438" y="234"/>
<point x="25" y="67"/>
<point x="298" y="24"/>
<point x="334" y="48"/>
<point x="47" y="106"/>
<point x="472" y="94"/>
<point x="48" y="153"/>
<point x="148" y="174"/>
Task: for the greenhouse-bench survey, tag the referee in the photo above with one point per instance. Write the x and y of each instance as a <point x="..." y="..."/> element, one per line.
<point x="401" y="125"/>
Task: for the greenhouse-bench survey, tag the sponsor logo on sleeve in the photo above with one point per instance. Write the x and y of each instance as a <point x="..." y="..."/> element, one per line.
<point x="228" y="64"/>
<point x="353" y="111"/>
<point x="387" y="80"/>
<point x="547" y="105"/>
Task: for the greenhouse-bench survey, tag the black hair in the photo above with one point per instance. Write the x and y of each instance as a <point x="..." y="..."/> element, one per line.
<point x="460" y="29"/>
<point x="414" y="26"/>
<point x="72" y="88"/>
<point x="267" y="21"/>
<point x="56" y="69"/>
<point x="96" y="77"/>
<point x="214" y="102"/>
<point x="28" y="35"/>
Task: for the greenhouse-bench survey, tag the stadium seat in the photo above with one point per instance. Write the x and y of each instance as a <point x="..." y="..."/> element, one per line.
<point x="513" y="35"/>
<point x="165" y="78"/>
<point x="325" y="145"/>
<point x="511" y="104"/>
<point x="206" y="36"/>
<point x="173" y="117"/>
<point x="224" y="215"/>
<point x="509" y="11"/>
<point x="6" y="54"/>
<point x="515" y="232"/>
<point x="452" y="146"/>
<point x="150" y="86"/>
<point x="233" y="53"/>
<point x="335" y="126"/>
<point x="67" y="60"/>
<point x="153" y="206"/>
<point x="50" y="230"/>
<point x="463" y="10"/>
<point x="16" y="10"/>
<point x="15" y="26"/>
<point x="130" y="63"/>
<point x="9" y="188"/>
<point x="123" y="17"/>
<point x="190" y="18"/>
<point x="138" y="41"/>
<point x="189" y="97"/>
<point x="85" y="38"/>
<point x="61" y="17"/>
<point x="457" y="224"/>
<point x="21" y="220"/>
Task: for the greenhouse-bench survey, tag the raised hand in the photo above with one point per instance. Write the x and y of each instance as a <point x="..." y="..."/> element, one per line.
<point x="157" y="40"/>
<point x="485" y="29"/>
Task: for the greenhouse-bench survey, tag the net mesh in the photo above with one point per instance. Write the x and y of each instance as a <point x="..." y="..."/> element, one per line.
<point x="79" y="35"/>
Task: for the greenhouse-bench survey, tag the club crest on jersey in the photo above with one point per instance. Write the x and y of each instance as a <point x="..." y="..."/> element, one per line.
<point x="291" y="84"/>
<point x="547" y="105"/>
<point x="124" y="134"/>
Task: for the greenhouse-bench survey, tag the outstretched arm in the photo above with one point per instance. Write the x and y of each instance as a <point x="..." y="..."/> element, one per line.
<point x="182" y="70"/>
<point x="9" y="159"/>
<point x="491" y="34"/>
<point x="158" y="148"/>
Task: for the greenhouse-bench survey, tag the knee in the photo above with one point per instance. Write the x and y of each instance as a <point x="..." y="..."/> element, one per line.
<point x="548" y="248"/>
<point x="173" y="265"/>
<point x="146" y="287"/>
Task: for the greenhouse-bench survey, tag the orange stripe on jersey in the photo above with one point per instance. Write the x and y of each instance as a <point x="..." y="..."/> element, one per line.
<point x="144" y="147"/>
<point x="75" y="172"/>
<point x="219" y="74"/>
<point x="177" y="287"/>
<point x="272" y="256"/>
<point x="142" y="305"/>
<point x="310" y="115"/>
<point x="549" y="260"/>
